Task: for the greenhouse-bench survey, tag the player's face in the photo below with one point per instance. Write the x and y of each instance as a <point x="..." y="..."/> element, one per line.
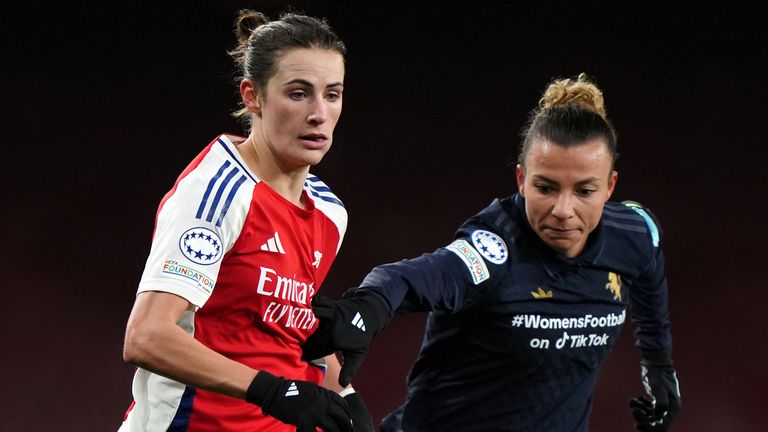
<point x="302" y="105"/>
<point x="564" y="190"/>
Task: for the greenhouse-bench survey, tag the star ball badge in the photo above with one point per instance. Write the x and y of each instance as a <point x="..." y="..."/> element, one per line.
<point x="201" y="245"/>
<point x="491" y="246"/>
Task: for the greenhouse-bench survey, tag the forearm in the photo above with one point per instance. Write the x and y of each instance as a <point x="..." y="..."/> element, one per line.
<point x="432" y="281"/>
<point x="649" y="303"/>
<point x="650" y="315"/>
<point x="156" y="343"/>
<point x="331" y="378"/>
<point x="173" y="353"/>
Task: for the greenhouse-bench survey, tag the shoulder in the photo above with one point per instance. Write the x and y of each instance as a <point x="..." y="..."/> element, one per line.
<point x="220" y="163"/>
<point x="320" y="191"/>
<point x="212" y="184"/>
<point x="632" y="219"/>
<point x="501" y="216"/>
<point x="326" y="201"/>
<point x="485" y="238"/>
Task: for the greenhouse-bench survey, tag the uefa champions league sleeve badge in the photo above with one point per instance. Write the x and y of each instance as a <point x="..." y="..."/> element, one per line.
<point x="490" y="246"/>
<point x="201" y="245"/>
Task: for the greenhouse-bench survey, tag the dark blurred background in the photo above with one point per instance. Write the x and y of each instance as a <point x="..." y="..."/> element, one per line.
<point x="104" y="105"/>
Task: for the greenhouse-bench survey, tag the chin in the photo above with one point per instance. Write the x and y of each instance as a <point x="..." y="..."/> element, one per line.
<point x="315" y="157"/>
<point x="313" y="162"/>
<point x="560" y="246"/>
<point x="307" y="160"/>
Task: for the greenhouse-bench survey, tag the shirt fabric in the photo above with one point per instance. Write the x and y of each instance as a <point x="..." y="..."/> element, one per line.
<point x="517" y="333"/>
<point x="250" y="262"/>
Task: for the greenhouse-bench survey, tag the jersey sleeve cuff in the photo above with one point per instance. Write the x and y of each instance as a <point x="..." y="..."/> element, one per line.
<point x="189" y="293"/>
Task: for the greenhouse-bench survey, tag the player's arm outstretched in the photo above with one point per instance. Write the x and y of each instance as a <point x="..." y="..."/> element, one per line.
<point x="429" y="282"/>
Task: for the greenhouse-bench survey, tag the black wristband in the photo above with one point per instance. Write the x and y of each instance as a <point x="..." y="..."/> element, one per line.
<point x="261" y="388"/>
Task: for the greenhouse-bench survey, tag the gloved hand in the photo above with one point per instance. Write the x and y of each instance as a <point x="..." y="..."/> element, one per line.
<point x="660" y="382"/>
<point x="347" y="325"/>
<point x="301" y="403"/>
<point x="361" y="418"/>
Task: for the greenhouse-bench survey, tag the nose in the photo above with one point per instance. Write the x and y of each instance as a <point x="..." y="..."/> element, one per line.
<point x="563" y="206"/>
<point x="318" y="112"/>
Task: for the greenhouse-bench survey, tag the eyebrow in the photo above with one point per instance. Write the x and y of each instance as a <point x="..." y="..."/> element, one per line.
<point x="549" y="180"/>
<point x="309" y="84"/>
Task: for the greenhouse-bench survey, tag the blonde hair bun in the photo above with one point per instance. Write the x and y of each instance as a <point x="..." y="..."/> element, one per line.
<point x="579" y="92"/>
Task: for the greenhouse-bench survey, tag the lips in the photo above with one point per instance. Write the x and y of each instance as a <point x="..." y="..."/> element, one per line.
<point x="313" y="137"/>
<point x="314" y="141"/>
<point x="564" y="232"/>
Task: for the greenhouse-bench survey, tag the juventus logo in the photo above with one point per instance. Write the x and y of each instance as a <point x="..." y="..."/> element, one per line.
<point x="614" y="285"/>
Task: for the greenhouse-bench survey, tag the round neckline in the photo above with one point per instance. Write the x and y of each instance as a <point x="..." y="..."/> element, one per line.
<point x="309" y="202"/>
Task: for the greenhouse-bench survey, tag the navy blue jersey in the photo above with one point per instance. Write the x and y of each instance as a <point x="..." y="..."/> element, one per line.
<point x="517" y="333"/>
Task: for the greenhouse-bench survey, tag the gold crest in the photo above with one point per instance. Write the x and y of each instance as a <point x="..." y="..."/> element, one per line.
<point x="614" y="285"/>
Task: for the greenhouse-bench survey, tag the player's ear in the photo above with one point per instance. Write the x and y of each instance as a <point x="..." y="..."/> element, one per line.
<point x="612" y="179"/>
<point x="251" y="96"/>
<point x="520" y="176"/>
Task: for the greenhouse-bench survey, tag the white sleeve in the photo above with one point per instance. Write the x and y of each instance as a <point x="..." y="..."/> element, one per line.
<point x="328" y="203"/>
<point x="196" y="226"/>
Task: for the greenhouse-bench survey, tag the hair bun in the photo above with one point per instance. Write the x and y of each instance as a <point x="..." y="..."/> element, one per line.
<point x="580" y="92"/>
<point x="248" y="21"/>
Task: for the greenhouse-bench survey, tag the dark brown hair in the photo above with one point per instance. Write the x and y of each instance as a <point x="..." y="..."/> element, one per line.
<point x="262" y="43"/>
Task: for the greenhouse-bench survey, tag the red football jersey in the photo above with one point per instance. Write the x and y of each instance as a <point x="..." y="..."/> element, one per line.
<point x="250" y="262"/>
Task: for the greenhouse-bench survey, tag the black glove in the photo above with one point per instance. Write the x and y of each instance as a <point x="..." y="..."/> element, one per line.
<point x="300" y="403"/>
<point x="347" y="325"/>
<point x="361" y="418"/>
<point x="660" y="382"/>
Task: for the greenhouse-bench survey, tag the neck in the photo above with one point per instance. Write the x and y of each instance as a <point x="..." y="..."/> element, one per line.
<point x="286" y="181"/>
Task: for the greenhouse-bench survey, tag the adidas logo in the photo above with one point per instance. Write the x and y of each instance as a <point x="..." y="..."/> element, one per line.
<point x="540" y="294"/>
<point x="273" y="245"/>
<point x="292" y="390"/>
<point x="357" y="321"/>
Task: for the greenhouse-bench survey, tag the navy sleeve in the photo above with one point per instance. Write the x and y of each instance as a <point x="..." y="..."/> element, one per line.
<point x="648" y="296"/>
<point x="434" y="281"/>
<point x="450" y="279"/>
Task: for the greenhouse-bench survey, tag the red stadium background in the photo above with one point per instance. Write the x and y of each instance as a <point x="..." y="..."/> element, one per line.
<point x="104" y="105"/>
